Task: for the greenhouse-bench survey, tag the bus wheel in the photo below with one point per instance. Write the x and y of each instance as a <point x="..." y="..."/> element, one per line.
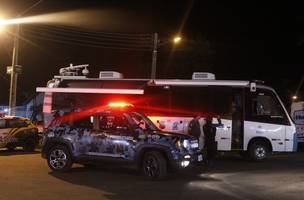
<point x="259" y="151"/>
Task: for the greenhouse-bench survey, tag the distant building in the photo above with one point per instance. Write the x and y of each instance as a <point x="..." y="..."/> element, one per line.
<point x="31" y="109"/>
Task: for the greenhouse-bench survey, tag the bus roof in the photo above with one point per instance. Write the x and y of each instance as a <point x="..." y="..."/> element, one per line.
<point x="201" y="82"/>
<point x="160" y="82"/>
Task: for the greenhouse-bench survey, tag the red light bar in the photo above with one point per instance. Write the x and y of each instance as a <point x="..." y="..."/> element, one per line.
<point x="120" y="105"/>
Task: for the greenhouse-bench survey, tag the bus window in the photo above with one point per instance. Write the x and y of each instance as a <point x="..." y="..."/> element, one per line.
<point x="222" y="104"/>
<point x="157" y="101"/>
<point x="263" y="106"/>
<point x="210" y="100"/>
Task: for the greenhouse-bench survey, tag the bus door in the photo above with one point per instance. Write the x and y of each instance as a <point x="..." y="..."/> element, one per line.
<point x="265" y="118"/>
<point x="237" y="112"/>
<point x="220" y="105"/>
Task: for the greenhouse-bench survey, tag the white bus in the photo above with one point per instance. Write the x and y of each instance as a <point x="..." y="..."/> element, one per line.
<point x="255" y="121"/>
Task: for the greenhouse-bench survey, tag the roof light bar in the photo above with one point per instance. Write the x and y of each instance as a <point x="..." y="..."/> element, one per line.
<point x="120" y="104"/>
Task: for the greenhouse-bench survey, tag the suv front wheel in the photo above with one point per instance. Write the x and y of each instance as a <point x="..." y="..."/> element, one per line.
<point x="154" y="165"/>
<point x="59" y="159"/>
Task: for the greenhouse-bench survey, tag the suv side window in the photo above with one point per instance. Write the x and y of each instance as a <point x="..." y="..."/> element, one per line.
<point x="16" y="123"/>
<point x="2" y="123"/>
<point x="113" y="123"/>
<point x="85" y="123"/>
<point x="263" y="106"/>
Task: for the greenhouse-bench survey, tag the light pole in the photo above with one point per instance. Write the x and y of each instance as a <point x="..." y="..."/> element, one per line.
<point x="154" y="56"/>
<point x="14" y="73"/>
<point x="15" y="69"/>
<point x="176" y="40"/>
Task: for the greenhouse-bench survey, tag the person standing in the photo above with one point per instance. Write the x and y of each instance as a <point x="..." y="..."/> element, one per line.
<point x="210" y="146"/>
<point x="194" y="127"/>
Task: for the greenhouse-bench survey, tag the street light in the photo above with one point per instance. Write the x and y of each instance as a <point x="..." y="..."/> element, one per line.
<point x="2" y="25"/>
<point x="15" y="69"/>
<point x="295" y="96"/>
<point x="177" y="39"/>
<point x="156" y="43"/>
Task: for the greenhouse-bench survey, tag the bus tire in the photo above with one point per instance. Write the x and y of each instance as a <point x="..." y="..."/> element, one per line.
<point x="259" y="150"/>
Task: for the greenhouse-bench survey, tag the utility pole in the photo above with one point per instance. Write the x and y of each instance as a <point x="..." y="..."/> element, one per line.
<point x="14" y="73"/>
<point x="15" y="69"/>
<point x="154" y="56"/>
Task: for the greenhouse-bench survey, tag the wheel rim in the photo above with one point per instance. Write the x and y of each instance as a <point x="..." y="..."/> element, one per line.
<point x="58" y="159"/>
<point x="260" y="152"/>
<point x="151" y="167"/>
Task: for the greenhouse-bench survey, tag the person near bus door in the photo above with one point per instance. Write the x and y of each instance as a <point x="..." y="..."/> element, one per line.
<point x="194" y="127"/>
<point x="210" y="146"/>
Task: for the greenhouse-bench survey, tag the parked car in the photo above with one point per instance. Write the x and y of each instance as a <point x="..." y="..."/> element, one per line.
<point x="117" y="136"/>
<point x="18" y="132"/>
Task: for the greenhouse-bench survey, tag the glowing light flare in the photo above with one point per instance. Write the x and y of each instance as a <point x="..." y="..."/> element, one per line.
<point x="70" y="18"/>
<point x="120" y="105"/>
<point x="2" y="25"/>
<point x="75" y="116"/>
<point x="295" y="97"/>
<point x="158" y="111"/>
<point x="177" y="39"/>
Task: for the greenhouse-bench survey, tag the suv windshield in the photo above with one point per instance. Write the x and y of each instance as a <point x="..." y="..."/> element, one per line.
<point x="142" y="121"/>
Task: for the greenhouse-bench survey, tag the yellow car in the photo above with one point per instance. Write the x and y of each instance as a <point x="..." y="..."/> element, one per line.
<point x="18" y="132"/>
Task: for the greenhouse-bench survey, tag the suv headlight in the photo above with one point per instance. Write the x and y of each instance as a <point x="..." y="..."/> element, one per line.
<point x="186" y="144"/>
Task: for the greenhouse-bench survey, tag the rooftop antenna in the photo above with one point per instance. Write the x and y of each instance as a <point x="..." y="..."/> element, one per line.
<point x="72" y="70"/>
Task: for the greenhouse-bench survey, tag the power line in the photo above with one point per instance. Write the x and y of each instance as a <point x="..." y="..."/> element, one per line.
<point x="146" y="37"/>
<point x="84" y="43"/>
<point x="77" y="39"/>
<point x="145" y="42"/>
<point x="86" y="31"/>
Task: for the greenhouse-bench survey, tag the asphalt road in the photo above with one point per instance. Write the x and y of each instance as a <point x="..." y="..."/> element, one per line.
<point x="27" y="176"/>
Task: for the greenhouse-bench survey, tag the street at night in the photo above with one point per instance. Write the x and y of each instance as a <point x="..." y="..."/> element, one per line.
<point x="140" y="100"/>
<point x="28" y="176"/>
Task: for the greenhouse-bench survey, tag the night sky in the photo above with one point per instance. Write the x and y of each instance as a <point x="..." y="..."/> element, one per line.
<point x="245" y="41"/>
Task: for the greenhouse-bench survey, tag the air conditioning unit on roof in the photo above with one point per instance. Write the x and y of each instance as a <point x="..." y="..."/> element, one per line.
<point x="110" y="75"/>
<point x="203" y="76"/>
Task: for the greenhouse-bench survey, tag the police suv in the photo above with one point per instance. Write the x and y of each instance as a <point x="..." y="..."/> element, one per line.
<point x="116" y="134"/>
<point x="18" y="131"/>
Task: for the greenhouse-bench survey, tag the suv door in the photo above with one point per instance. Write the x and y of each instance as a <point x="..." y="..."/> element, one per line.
<point x="113" y="139"/>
